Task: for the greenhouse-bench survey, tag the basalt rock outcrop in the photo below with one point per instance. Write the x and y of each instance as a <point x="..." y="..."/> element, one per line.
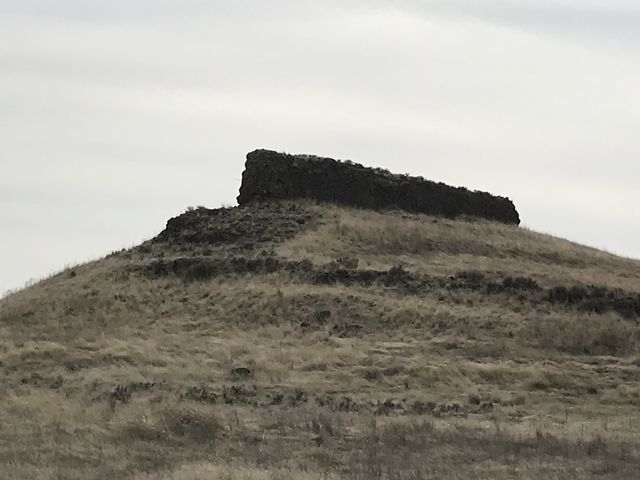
<point x="271" y="175"/>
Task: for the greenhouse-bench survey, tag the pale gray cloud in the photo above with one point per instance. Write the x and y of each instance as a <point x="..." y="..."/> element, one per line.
<point x="115" y="116"/>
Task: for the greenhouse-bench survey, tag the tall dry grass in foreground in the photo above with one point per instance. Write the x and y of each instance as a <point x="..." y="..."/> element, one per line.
<point x="109" y="372"/>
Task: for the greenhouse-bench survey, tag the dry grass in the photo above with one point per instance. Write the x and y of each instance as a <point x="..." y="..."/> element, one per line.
<point x="437" y="245"/>
<point x="109" y="373"/>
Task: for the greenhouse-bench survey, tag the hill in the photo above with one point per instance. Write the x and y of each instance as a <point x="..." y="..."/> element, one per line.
<point x="302" y="340"/>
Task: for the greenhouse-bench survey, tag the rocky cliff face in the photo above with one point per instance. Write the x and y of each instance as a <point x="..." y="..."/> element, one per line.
<point x="271" y="175"/>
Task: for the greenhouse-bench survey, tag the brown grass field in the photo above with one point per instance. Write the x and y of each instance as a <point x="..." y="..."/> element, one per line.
<point x="302" y="341"/>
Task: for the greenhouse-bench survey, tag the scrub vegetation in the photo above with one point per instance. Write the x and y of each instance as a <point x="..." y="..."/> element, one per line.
<point x="310" y="341"/>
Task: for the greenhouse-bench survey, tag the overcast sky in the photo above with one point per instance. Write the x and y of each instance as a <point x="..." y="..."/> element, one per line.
<point x="117" y="114"/>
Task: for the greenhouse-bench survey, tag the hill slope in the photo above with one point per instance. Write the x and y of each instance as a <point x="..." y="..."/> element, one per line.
<point x="295" y="340"/>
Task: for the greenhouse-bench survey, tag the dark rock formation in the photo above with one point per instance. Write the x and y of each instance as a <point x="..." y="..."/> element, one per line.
<point x="237" y="227"/>
<point x="592" y="299"/>
<point x="271" y="175"/>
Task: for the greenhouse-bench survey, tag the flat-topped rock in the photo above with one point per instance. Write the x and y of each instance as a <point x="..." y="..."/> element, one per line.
<point x="270" y="175"/>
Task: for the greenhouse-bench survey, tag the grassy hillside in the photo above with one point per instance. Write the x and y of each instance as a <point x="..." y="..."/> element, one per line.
<point x="297" y="341"/>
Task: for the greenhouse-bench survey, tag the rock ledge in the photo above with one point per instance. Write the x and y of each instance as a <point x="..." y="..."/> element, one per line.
<point x="270" y="175"/>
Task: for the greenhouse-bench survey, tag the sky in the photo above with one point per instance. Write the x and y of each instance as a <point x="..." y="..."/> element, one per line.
<point x="117" y="115"/>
